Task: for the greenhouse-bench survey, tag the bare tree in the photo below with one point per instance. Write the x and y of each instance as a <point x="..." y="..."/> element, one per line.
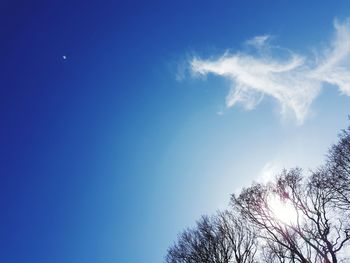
<point x="254" y="206"/>
<point x="220" y="239"/>
<point x="334" y="176"/>
<point x="240" y="237"/>
<point x="273" y="252"/>
<point x="322" y="227"/>
<point x="319" y="232"/>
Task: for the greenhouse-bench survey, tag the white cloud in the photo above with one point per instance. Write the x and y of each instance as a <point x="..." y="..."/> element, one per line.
<point x="269" y="172"/>
<point x="258" y="41"/>
<point x="294" y="81"/>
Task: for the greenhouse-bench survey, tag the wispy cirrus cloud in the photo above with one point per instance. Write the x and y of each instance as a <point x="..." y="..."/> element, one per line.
<point x="294" y="81"/>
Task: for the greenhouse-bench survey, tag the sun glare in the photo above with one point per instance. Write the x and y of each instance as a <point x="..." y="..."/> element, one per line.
<point x="283" y="211"/>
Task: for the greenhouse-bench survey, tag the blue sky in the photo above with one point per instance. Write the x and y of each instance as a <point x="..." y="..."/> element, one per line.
<point x="117" y="127"/>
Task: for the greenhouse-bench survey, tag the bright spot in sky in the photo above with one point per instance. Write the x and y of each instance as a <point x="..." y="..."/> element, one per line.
<point x="64" y="57"/>
<point x="283" y="211"/>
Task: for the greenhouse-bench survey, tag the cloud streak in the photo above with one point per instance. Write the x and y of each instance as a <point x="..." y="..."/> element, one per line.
<point x="293" y="81"/>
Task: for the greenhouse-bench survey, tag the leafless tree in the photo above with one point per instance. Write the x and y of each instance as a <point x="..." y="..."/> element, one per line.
<point x="240" y="237"/>
<point x="322" y="227"/>
<point x="273" y="252"/>
<point x="334" y="176"/>
<point x="254" y="206"/>
<point x="251" y="231"/>
<point x="220" y="239"/>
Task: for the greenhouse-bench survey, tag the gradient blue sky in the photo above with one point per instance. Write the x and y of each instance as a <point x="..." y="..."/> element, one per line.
<point x="108" y="153"/>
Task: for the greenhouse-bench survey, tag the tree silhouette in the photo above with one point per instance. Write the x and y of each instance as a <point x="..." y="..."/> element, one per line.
<point x="315" y="230"/>
<point x="222" y="238"/>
